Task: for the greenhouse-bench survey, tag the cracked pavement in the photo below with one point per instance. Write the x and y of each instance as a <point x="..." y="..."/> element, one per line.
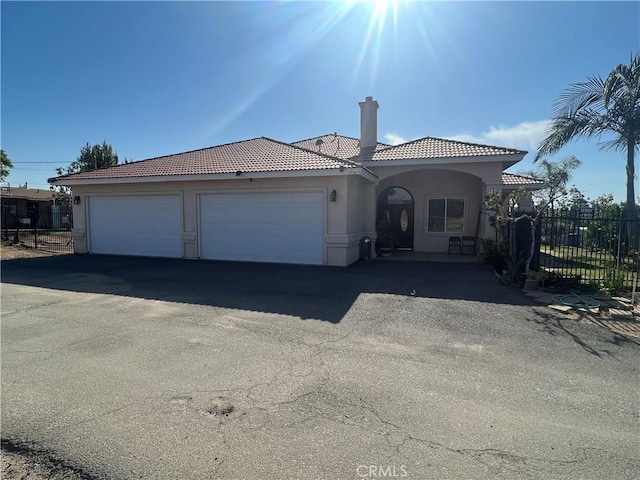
<point x="144" y="368"/>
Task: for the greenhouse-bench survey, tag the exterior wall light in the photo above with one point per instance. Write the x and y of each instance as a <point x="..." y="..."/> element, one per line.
<point x="333" y="195"/>
<point x="76" y="200"/>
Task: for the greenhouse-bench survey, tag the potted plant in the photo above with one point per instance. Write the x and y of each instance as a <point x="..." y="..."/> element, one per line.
<point x="534" y="279"/>
<point x="386" y="238"/>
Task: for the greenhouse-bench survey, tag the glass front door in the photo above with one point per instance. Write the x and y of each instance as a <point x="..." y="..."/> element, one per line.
<point x="396" y="205"/>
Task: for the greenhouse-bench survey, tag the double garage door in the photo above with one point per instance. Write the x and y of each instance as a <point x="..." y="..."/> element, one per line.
<point x="261" y="227"/>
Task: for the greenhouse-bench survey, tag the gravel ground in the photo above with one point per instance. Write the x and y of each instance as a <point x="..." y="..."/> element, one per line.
<point x="11" y="252"/>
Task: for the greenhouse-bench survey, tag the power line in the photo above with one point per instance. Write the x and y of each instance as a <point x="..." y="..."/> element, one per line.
<point x="6" y="184"/>
<point x="35" y="169"/>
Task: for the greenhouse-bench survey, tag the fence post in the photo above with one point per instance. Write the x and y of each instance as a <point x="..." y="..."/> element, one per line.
<point x="35" y="229"/>
<point x="4" y="222"/>
<point x="618" y="249"/>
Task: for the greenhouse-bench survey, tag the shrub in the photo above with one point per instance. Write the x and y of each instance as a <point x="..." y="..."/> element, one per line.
<point x="614" y="279"/>
<point x="495" y="254"/>
<point x="515" y="268"/>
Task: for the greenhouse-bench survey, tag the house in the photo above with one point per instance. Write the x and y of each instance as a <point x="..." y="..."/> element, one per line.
<point x="20" y="205"/>
<point x="307" y="202"/>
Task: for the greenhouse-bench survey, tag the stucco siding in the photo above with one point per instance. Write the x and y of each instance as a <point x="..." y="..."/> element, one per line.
<point x="338" y="243"/>
<point x="361" y="204"/>
<point x="425" y="184"/>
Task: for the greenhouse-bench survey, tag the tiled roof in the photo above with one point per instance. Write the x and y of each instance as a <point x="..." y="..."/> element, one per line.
<point x="249" y="156"/>
<point x="266" y="155"/>
<point x="335" y="145"/>
<point x="429" y="147"/>
<point x="512" y="179"/>
<point x="27" y="193"/>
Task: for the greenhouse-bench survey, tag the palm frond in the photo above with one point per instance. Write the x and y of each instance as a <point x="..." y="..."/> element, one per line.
<point x="589" y="94"/>
<point x="565" y="129"/>
<point x="623" y="84"/>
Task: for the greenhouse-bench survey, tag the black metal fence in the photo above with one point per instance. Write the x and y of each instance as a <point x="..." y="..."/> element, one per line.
<point x="37" y="225"/>
<point x="597" y="247"/>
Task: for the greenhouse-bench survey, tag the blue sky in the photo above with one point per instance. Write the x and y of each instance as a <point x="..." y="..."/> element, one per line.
<point x="154" y="78"/>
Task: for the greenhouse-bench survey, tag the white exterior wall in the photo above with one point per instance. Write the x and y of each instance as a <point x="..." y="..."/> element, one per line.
<point x="342" y="234"/>
<point x="346" y="220"/>
<point x="361" y="213"/>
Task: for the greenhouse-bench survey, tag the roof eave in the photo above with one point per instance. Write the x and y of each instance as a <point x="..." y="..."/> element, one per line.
<point x="526" y="186"/>
<point x="31" y="199"/>
<point x="361" y="171"/>
<point x="508" y="159"/>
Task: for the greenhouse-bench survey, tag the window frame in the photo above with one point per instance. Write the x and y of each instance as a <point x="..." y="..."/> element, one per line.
<point x="446" y="199"/>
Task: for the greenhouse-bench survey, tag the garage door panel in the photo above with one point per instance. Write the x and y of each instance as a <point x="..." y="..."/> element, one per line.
<point x="278" y="227"/>
<point x="136" y="225"/>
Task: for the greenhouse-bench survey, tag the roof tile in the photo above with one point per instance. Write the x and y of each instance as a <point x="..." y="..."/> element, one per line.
<point x="335" y="145"/>
<point x="249" y="156"/>
<point x="429" y="147"/>
<point x="263" y="154"/>
<point x="512" y="179"/>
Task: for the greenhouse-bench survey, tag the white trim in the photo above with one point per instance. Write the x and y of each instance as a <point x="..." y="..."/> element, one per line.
<point x="515" y="158"/>
<point x="526" y="186"/>
<point x="452" y="196"/>
<point x="363" y="172"/>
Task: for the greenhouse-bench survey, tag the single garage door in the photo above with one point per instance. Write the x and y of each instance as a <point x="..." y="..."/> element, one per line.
<point x="262" y="227"/>
<point x="136" y="225"/>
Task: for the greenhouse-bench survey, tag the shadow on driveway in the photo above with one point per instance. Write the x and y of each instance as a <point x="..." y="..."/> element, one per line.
<point x="323" y="293"/>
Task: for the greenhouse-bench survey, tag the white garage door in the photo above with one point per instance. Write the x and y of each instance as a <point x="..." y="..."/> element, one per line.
<point x="263" y="227"/>
<point x="136" y="225"/>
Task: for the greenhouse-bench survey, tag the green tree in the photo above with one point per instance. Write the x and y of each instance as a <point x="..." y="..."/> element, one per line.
<point x="502" y="211"/>
<point x="575" y="200"/>
<point x="91" y="158"/>
<point x="603" y="202"/>
<point x="596" y="107"/>
<point x="555" y="176"/>
<point x="5" y="165"/>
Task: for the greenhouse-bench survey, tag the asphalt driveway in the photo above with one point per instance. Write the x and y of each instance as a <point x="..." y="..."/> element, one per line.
<point x="143" y="368"/>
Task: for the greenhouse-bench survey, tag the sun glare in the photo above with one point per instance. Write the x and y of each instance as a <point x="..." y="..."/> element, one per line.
<point x="380" y="10"/>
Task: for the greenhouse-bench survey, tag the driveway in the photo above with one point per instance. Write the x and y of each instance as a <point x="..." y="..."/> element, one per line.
<point x="145" y="368"/>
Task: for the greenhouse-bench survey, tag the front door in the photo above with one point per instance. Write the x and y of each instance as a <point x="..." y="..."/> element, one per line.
<point x="396" y="204"/>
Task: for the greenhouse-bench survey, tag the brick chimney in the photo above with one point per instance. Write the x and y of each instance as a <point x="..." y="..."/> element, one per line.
<point x="368" y="125"/>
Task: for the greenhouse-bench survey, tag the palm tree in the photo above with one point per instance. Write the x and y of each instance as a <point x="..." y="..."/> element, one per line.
<point x="597" y="107"/>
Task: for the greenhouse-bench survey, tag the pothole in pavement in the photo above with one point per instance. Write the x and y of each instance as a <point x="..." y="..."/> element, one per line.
<point x="221" y="407"/>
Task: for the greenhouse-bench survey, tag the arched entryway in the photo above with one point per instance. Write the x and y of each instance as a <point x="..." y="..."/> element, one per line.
<point x="396" y="205"/>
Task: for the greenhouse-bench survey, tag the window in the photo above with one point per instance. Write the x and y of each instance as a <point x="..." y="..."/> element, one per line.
<point x="445" y="215"/>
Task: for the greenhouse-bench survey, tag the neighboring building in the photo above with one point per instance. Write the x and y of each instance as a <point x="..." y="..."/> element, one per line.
<point x="20" y="205"/>
<point x="308" y="202"/>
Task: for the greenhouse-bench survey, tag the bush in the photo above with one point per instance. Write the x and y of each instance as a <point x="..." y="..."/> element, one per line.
<point x="495" y="254"/>
<point x="613" y="281"/>
<point x="515" y="268"/>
